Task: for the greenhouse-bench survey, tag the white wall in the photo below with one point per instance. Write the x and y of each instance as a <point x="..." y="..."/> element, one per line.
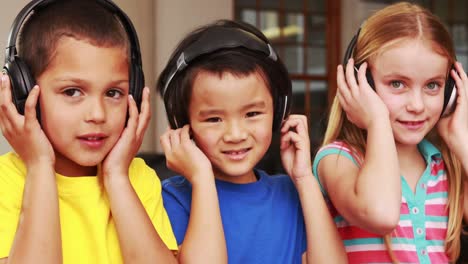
<point x="160" y="25"/>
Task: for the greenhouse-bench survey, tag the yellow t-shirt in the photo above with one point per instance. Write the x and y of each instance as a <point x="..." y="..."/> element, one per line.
<point x="88" y="230"/>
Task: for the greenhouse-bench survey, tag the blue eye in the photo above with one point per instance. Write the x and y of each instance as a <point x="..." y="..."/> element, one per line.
<point x="433" y="86"/>
<point x="396" y="84"/>
<point x="72" y="92"/>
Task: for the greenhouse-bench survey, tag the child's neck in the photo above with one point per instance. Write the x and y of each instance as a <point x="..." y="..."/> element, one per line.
<point x="412" y="164"/>
<point x="237" y="179"/>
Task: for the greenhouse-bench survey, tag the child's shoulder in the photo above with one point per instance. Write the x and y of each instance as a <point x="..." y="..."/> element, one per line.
<point x="11" y="162"/>
<point x="175" y="181"/>
<point x="12" y="172"/>
<point x="143" y="176"/>
<point x="341" y="148"/>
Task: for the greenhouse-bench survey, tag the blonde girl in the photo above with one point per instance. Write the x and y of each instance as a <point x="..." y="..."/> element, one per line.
<point x="392" y="166"/>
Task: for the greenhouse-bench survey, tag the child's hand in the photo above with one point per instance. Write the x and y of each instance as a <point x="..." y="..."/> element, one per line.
<point x="454" y="128"/>
<point x="183" y="156"/>
<point x="295" y="147"/>
<point x="24" y="133"/>
<point x="119" y="158"/>
<point x="361" y="103"/>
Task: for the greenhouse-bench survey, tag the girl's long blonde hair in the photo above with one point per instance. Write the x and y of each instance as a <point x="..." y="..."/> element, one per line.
<point x="390" y="25"/>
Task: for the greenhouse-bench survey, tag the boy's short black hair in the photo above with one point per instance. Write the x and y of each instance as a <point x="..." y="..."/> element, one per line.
<point x="84" y="20"/>
<point x="238" y="61"/>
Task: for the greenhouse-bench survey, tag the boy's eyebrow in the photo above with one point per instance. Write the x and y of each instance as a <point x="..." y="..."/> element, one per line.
<point x="258" y="104"/>
<point x="79" y="80"/>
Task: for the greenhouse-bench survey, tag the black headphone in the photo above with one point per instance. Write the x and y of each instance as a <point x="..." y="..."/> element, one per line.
<point x="450" y="91"/>
<point x="21" y="78"/>
<point x="220" y="38"/>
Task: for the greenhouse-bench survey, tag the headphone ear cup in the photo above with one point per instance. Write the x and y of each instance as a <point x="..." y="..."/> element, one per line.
<point x="137" y="83"/>
<point x="279" y="113"/>
<point x="369" y="78"/>
<point x="21" y="82"/>
<point x="450" y="96"/>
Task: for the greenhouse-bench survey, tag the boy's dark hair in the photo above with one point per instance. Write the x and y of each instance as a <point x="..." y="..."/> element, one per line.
<point x="238" y="61"/>
<point x="84" y="20"/>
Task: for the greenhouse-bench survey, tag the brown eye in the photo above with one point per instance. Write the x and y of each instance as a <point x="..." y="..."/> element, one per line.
<point x="114" y="93"/>
<point x="213" y="120"/>
<point x="72" y="92"/>
<point x="253" y="114"/>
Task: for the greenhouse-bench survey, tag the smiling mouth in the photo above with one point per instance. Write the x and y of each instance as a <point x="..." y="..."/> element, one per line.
<point x="237" y="154"/>
<point x="412" y="123"/>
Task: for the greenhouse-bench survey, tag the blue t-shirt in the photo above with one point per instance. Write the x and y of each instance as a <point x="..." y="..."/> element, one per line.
<point x="262" y="221"/>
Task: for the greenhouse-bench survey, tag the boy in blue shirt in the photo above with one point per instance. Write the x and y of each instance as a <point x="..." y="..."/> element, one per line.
<point x="225" y="92"/>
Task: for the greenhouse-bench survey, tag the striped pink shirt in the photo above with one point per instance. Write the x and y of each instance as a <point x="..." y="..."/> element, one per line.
<point x="422" y="228"/>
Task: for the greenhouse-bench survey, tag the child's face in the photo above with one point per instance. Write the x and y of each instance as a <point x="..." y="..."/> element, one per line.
<point x="83" y="103"/>
<point x="231" y="119"/>
<point x="410" y="79"/>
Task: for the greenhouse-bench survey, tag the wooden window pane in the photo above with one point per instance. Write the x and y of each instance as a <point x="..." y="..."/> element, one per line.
<point x="269" y="20"/>
<point x="245" y="3"/>
<point x="316" y="60"/>
<point x="294" y="59"/>
<point x="316" y="26"/>
<point x="440" y="8"/>
<point x="298" y="94"/>
<point x="294" y="5"/>
<point x="247" y="15"/>
<point x="293" y="31"/>
<point x="267" y="4"/>
<point x="316" y="6"/>
<point x="461" y="10"/>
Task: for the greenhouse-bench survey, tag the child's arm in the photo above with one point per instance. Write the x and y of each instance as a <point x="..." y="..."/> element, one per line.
<point x="204" y="240"/>
<point x="139" y="241"/>
<point x="38" y="236"/>
<point x="369" y="196"/>
<point x="295" y="154"/>
<point x="454" y="128"/>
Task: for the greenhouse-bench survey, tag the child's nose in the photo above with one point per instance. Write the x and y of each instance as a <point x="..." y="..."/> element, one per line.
<point x="96" y="111"/>
<point x="415" y="102"/>
<point x="235" y="132"/>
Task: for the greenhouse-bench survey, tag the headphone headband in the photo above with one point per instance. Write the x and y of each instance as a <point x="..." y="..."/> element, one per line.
<point x="23" y="81"/>
<point x="350" y="49"/>
<point x="36" y="4"/>
<point x="216" y="39"/>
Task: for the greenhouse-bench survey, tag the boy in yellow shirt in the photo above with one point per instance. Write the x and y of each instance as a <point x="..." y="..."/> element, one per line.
<point x="73" y="107"/>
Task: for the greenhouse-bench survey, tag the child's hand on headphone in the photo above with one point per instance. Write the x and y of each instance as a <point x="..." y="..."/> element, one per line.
<point x="24" y="133"/>
<point x="361" y="103"/>
<point x="119" y="158"/>
<point x="454" y="128"/>
<point x="184" y="157"/>
<point x="295" y="147"/>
